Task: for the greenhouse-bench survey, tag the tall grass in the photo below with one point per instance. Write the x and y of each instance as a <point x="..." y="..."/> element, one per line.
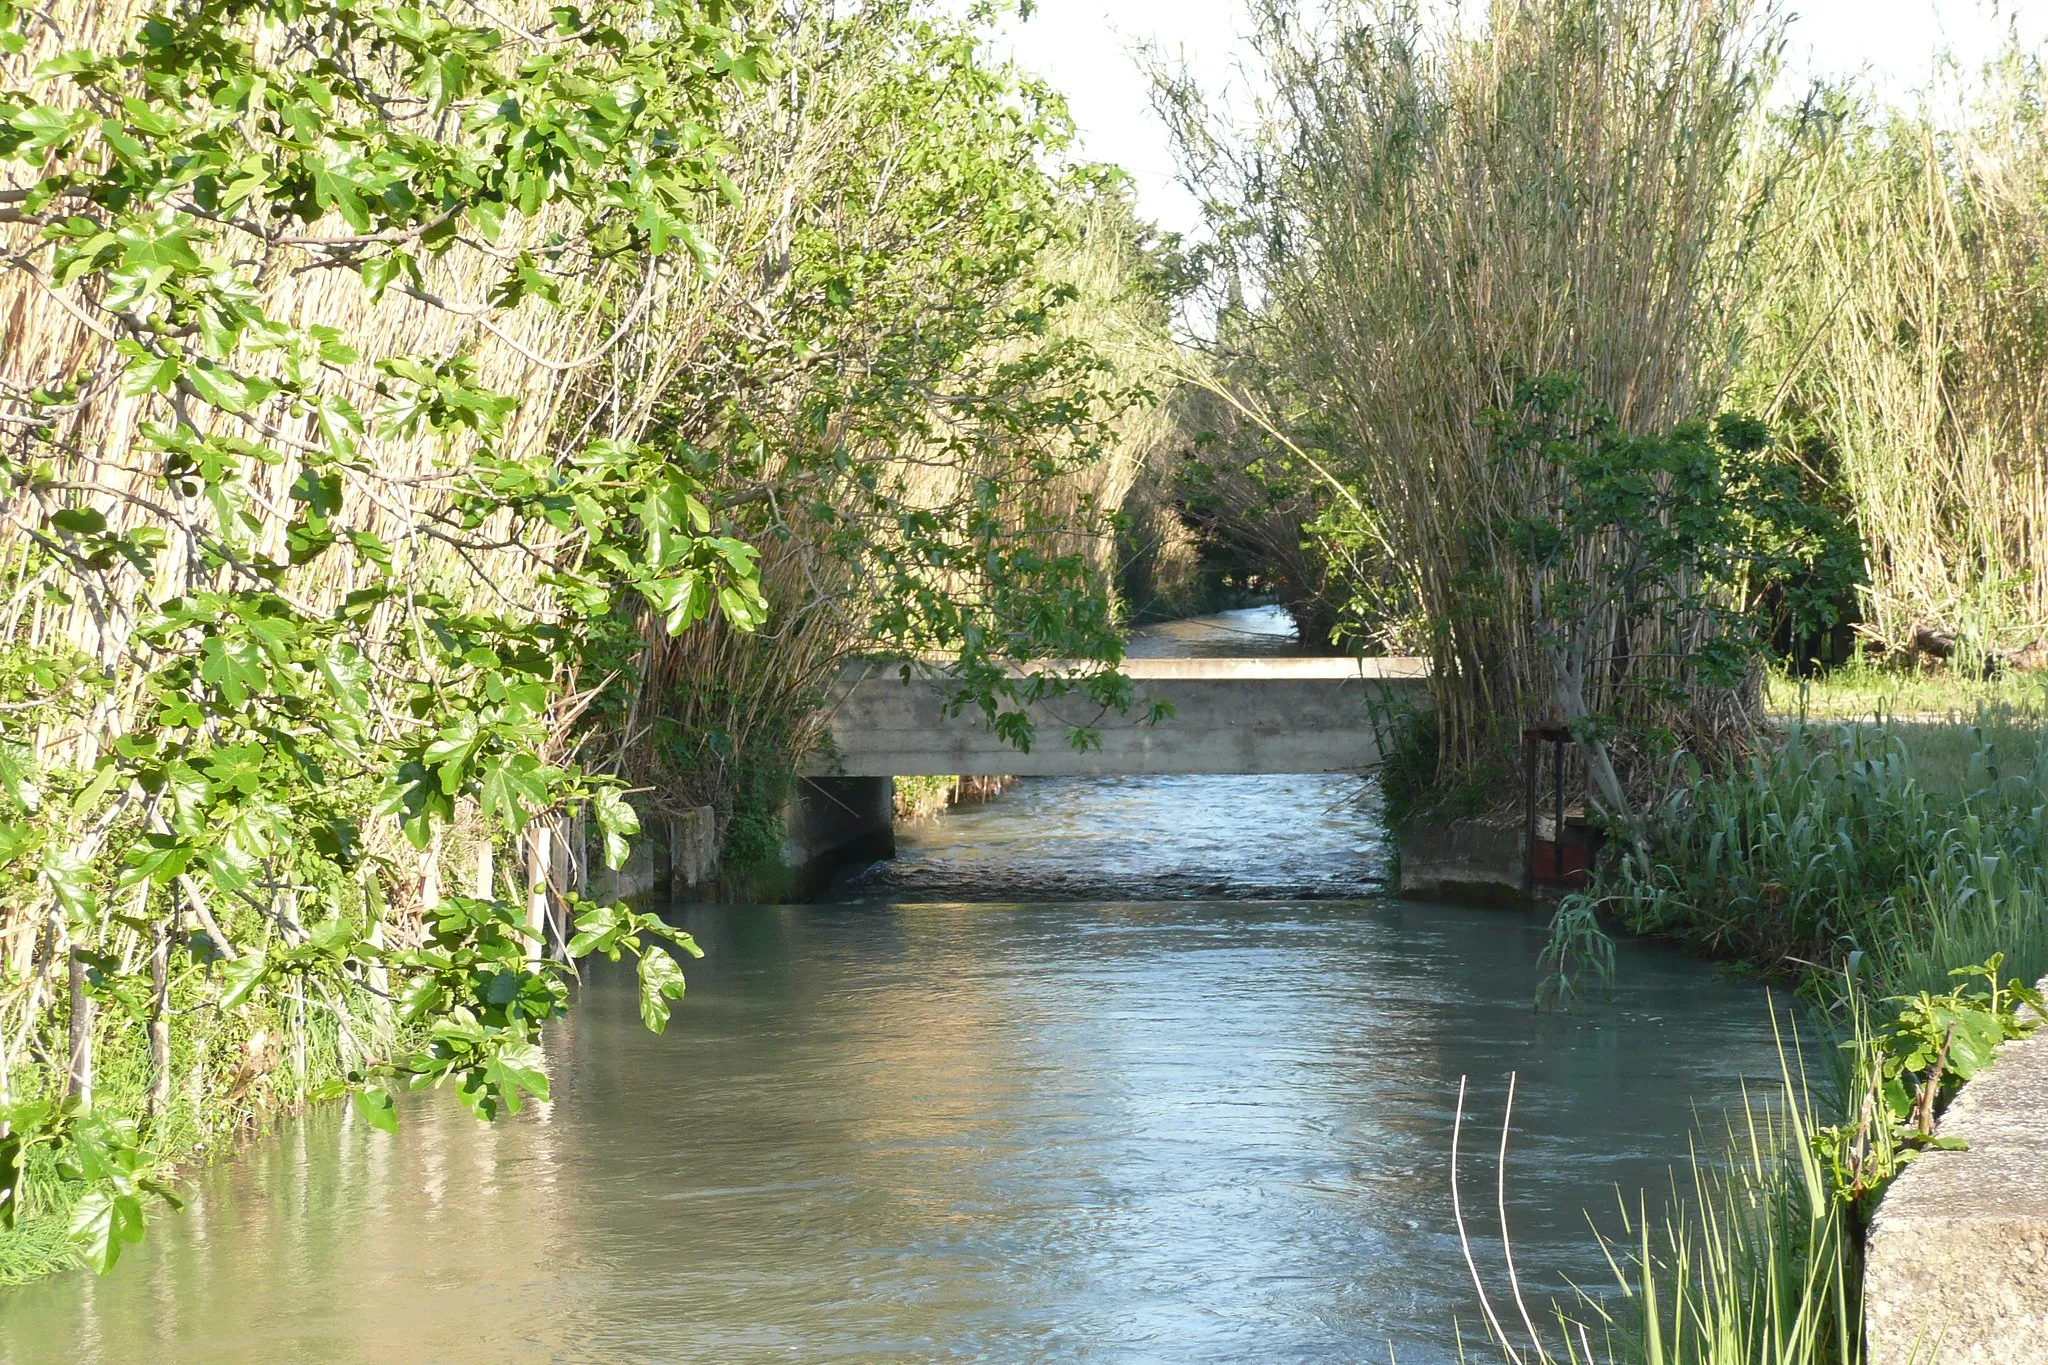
<point x="1434" y="212"/>
<point x="1907" y="333"/>
<point x="1915" y="847"/>
<point x="1752" y="1260"/>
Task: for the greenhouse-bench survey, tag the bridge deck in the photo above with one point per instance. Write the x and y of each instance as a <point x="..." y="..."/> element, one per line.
<point x="1260" y="715"/>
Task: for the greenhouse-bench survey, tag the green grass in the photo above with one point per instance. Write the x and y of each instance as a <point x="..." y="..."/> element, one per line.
<point x="1909" y="846"/>
<point x="208" y="1116"/>
<point x="1862" y="692"/>
<point x="1752" y="1262"/>
<point x="1865" y="846"/>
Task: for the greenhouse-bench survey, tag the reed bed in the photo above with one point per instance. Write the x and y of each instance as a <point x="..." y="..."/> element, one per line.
<point x="1914" y="848"/>
<point x="1904" y="335"/>
<point x="1431" y="214"/>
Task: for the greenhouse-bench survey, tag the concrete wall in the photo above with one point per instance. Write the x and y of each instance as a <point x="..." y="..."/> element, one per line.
<point x="1230" y="716"/>
<point x="1471" y="861"/>
<point x="672" y="855"/>
<point x="1956" y="1268"/>
<point x="838" y="822"/>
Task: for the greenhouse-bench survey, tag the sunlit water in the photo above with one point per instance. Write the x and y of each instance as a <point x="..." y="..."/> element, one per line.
<point x="1176" y="1126"/>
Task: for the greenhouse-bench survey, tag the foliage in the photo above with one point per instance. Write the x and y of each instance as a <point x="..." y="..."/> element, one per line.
<point x="1432" y="210"/>
<point x="1832" y="843"/>
<point x="1860" y="856"/>
<point x="927" y="412"/>
<point x="1905" y="1073"/>
<point x="254" y="684"/>
<point x="1651" y="564"/>
<point x="420" y="423"/>
<point x="1901" y="326"/>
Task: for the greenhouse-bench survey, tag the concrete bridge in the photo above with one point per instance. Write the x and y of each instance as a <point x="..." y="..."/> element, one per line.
<point x="1260" y="715"/>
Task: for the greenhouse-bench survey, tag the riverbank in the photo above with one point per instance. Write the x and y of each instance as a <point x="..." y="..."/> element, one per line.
<point x="1151" y="1061"/>
<point x="1889" y="865"/>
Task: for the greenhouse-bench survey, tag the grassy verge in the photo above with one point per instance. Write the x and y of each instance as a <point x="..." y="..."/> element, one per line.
<point x="233" y="1074"/>
<point x="1874" y="857"/>
<point x="1863" y="693"/>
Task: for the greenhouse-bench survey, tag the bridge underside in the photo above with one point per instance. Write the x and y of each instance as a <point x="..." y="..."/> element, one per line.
<point x="1281" y="715"/>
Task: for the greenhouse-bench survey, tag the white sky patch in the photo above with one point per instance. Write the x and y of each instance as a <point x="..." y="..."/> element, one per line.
<point x="1088" y="49"/>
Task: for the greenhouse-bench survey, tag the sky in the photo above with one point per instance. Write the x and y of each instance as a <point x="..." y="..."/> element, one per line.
<point x="1085" y="49"/>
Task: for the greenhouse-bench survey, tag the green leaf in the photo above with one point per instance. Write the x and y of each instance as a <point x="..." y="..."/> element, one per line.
<point x="619" y="822"/>
<point x="41" y="127"/>
<point x="68" y="875"/>
<point x="425" y="996"/>
<point x="79" y="521"/>
<point x="373" y="1103"/>
<point x="241" y="977"/>
<point x="102" y="1223"/>
<point x="661" y="980"/>
<point x="518" y="1068"/>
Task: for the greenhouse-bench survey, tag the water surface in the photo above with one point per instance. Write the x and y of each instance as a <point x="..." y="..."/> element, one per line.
<point x="1206" y="1119"/>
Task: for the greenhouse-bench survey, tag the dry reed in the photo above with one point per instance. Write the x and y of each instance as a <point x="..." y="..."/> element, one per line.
<point x="1431" y="216"/>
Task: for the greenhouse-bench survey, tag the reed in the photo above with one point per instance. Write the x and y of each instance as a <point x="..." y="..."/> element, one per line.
<point x="1752" y="1262"/>
<point x="1432" y="214"/>
<point x="1906" y="334"/>
<point x="1916" y="848"/>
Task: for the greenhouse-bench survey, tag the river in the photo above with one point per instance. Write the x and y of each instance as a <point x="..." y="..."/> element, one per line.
<point x="1138" y="1069"/>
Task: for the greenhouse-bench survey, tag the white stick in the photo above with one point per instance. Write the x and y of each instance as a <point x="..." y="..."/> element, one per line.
<point x="1458" y="1213"/>
<point x="1507" y="1247"/>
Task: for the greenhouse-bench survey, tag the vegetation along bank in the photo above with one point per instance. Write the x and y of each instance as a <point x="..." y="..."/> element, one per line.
<point x="433" y="436"/>
<point x="1699" y="419"/>
<point x="426" y="428"/>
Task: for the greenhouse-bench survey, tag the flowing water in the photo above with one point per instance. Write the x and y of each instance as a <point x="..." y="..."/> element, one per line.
<point x="1142" y="1069"/>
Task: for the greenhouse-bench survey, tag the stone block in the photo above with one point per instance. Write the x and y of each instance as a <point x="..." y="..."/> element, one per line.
<point x="1478" y="860"/>
<point x="1956" y="1267"/>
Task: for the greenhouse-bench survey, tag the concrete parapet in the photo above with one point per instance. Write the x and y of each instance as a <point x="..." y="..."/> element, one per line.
<point x="1956" y="1267"/>
<point x="1479" y="860"/>
<point x="1262" y="715"/>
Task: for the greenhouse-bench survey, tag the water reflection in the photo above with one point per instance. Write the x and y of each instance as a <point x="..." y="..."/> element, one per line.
<point x="1161" y="1125"/>
<point x="1137" y="1131"/>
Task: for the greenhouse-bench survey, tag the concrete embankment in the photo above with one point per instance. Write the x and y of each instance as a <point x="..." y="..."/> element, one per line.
<point x="674" y="855"/>
<point x="1957" y="1263"/>
<point x="1469" y="861"/>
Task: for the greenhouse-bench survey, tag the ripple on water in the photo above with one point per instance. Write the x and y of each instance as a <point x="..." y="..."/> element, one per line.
<point x="1206" y="1117"/>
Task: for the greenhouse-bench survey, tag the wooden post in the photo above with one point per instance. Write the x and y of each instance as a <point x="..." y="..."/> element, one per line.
<point x="1557" y="819"/>
<point x="484" y="890"/>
